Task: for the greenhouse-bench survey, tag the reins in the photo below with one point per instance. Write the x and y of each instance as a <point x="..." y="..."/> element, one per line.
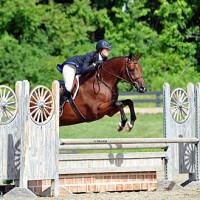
<point x="132" y="81"/>
<point x="100" y="80"/>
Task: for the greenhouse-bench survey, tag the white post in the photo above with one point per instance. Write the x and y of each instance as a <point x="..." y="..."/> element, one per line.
<point x="55" y="92"/>
<point x="181" y="157"/>
<point x="167" y="129"/>
<point x="23" y="182"/>
<point x="198" y="130"/>
<point x="23" y="95"/>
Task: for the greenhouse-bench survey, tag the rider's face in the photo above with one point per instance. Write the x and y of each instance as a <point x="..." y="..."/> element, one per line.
<point x="105" y="52"/>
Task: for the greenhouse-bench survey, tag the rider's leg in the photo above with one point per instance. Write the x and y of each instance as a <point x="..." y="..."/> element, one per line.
<point x="68" y="74"/>
<point x="65" y="95"/>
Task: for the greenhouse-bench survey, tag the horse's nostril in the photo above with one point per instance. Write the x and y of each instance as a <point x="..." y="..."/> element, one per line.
<point x="142" y="89"/>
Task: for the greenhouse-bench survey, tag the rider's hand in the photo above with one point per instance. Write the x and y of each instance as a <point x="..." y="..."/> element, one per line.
<point x="98" y="63"/>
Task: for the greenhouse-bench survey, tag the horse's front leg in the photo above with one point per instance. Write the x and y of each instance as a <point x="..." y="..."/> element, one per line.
<point x="122" y="124"/>
<point x="111" y="108"/>
<point x="130" y="104"/>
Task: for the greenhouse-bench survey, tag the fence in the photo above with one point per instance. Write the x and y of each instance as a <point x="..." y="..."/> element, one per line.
<point x="28" y="139"/>
<point x="148" y="97"/>
<point x="30" y="146"/>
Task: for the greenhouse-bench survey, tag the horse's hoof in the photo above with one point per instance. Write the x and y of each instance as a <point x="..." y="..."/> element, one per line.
<point x="129" y="127"/>
<point x="120" y="127"/>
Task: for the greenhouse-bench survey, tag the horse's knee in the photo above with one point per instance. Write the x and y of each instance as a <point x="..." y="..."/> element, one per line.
<point x="130" y="103"/>
<point x="118" y="103"/>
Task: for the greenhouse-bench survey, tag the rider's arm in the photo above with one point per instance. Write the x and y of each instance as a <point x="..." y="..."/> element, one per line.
<point x="91" y="67"/>
<point x="89" y="63"/>
<point x="88" y="69"/>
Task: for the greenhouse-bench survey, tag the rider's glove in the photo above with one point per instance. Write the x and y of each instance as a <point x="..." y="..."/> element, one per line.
<point x="98" y="63"/>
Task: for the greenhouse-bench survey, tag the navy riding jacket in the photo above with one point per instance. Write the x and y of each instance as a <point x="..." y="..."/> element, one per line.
<point x="83" y="63"/>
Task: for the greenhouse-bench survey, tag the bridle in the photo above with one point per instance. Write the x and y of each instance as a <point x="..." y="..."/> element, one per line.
<point x="131" y="81"/>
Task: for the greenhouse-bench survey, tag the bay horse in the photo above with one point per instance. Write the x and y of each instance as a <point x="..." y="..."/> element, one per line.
<point x="98" y="94"/>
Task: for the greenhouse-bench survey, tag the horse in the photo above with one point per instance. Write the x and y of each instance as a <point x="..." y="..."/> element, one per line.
<point x="98" y="95"/>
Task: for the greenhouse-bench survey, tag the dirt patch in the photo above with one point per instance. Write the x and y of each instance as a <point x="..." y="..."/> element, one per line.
<point x="149" y="110"/>
<point x="157" y="195"/>
<point x="146" y="110"/>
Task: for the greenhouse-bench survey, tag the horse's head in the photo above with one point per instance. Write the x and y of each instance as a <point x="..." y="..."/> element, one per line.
<point x="133" y="73"/>
<point x="123" y="68"/>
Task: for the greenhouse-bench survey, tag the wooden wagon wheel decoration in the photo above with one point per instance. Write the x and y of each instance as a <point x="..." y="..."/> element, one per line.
<point x="41" y="105"/>
<point x="8" y="105"/>
<point x="189" y="157"/>
<point x="179" y="105"/>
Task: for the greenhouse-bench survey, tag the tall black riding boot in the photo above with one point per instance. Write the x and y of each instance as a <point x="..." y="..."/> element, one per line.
<point x="64" y="96"/>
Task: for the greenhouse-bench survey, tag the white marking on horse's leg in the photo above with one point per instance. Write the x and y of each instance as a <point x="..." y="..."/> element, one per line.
<point x="120" y="127"/>
<point x="129" y="126"/>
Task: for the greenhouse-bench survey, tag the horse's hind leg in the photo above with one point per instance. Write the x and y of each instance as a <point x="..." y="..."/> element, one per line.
<point x="122" y="124"/>
<point x="130" y="104"/>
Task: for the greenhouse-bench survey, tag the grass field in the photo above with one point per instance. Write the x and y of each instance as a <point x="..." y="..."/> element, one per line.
<point x="146" y="126"/>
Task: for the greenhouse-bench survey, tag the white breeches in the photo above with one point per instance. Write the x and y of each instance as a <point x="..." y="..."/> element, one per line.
<point x="69" y="74"/>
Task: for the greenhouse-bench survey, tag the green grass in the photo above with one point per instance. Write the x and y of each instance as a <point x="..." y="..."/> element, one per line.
<point x="146" y="126"/>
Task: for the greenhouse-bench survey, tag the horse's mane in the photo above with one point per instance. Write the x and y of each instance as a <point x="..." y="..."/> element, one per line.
<point x="89" y="74"/>
<point x="114" y="58"/>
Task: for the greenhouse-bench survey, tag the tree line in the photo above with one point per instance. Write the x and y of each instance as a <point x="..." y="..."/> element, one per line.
<point x="36" y="35"/>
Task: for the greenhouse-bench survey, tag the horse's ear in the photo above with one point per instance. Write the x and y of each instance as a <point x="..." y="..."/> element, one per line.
<point x="131" y="56"/>
<point x="138" y="57"/>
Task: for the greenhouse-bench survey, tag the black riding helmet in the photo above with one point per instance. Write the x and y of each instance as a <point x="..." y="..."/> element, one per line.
<point x="103" y="44"/>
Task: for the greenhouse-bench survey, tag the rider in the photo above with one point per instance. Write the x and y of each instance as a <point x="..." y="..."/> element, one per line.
<point x="81" y="65"/>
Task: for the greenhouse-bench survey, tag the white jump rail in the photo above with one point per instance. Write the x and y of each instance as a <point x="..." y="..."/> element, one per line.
<point x="128" y="141"/>
<point x="122" y="143"/>
<point x="112" y="146"/>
